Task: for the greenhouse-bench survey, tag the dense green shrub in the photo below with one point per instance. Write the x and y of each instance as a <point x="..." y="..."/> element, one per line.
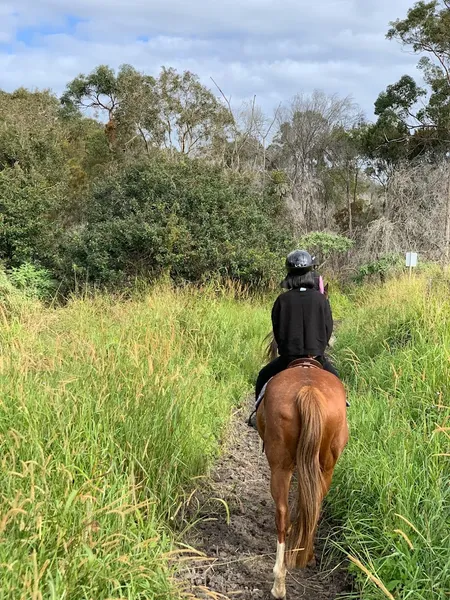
<point x="34" y="282"/>
<point x="187" y="217"/>
<point x="28" y="207"/>
<point x="325" y="244"/>
<point x="381" y="268"/>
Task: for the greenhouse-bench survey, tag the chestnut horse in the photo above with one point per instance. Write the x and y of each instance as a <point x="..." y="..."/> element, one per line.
<point x="302" y="421"/>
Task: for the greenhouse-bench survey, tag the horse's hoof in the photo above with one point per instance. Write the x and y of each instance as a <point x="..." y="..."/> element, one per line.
<point x="279" y="594"/>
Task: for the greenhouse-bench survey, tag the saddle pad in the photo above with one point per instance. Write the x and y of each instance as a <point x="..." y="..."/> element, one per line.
<point x="261" y="395"/>
<point x="305" y="363"/>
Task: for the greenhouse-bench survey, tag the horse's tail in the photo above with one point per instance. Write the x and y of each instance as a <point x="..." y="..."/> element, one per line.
<point x="271" y="348"/>
<point x="310" y="480"/>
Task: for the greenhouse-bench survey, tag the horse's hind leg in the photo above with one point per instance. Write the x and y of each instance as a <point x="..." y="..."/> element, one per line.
<point x="279" y="487"/>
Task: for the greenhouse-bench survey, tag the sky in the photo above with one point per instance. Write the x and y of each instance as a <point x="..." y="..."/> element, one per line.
<point x="273" y="49"/>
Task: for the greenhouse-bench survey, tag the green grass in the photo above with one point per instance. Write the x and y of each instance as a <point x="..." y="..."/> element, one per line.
<point x="108" y="410"/>
<point x="391" y="491"/>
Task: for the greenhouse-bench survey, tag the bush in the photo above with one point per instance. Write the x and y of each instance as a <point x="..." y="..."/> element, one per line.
<point x="390" y="264"/>
<point x="325" y="244"/>
<point x="32" y="281"/>
<point x="13" y="303"/>
<point x="28" y="205"/>
<point x="185" y="217"/>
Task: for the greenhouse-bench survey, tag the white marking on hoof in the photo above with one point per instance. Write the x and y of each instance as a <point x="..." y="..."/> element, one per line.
<point x="279" y="593"/>
<point x="279" y="588"/>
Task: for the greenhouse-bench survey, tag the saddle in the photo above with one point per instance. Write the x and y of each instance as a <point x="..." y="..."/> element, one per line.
<point x="306" y="363"/>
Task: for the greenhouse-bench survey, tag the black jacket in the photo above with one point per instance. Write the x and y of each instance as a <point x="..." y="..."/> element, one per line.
<point x="302" y="323"/>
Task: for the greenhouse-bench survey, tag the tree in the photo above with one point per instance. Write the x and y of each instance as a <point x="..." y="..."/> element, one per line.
<point x="346" y="169"/>
<point x="418" y="197"/>
<point x="191" y="115"/>
<point x="174" y="111"/>
<point x="250" y="128"/>
<point x="34" y="146"/>
<point x="99" y="90"/>
<point x="304" y="146"/>
<point x="48" y="159"/>
<point x="139" y="112"/>
<point x="424" y="130"/>
<point x="31" y="133"/>
<point x="414" y="110"/>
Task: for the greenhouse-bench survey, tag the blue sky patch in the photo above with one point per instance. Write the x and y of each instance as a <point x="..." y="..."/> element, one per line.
<point x="32" y="36"/>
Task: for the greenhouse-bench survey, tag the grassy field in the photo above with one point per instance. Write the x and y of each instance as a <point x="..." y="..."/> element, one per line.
<point x="392" y="488"/>
<point x="107" y="411"/>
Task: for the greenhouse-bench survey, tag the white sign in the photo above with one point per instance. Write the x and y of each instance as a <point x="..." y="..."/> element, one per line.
<point x="411" y="259"/>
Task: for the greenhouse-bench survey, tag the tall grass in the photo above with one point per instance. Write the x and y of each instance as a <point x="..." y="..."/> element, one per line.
<point x="391" y="492"/>
<point x="110" y="409"/>
<point x="107" y="411"/>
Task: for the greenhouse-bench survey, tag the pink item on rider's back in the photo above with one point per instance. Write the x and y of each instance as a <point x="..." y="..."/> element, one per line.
<point x="321" y="287"/>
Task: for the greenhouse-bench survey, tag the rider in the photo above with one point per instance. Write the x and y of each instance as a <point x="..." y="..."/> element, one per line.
<point x="301" y="319"/>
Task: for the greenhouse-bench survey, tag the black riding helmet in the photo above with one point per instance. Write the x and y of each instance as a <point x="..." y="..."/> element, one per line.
<point x="299" y="261"/>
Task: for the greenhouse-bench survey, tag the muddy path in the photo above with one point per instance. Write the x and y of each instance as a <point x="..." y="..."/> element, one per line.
<point x="235" y="531"/>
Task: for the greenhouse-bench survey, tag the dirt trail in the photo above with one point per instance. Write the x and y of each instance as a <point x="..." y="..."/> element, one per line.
<point x="240" y="554"/>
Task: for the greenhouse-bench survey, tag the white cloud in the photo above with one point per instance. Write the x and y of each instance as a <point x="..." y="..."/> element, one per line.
<point x="8" y="24"/>
<point x="252" y="17"/>
<point x="270" y="48"/>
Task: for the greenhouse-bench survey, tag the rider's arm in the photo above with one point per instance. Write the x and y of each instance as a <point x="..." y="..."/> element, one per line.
<point x="276" y="319"/>
<point x="328" y="319"/>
